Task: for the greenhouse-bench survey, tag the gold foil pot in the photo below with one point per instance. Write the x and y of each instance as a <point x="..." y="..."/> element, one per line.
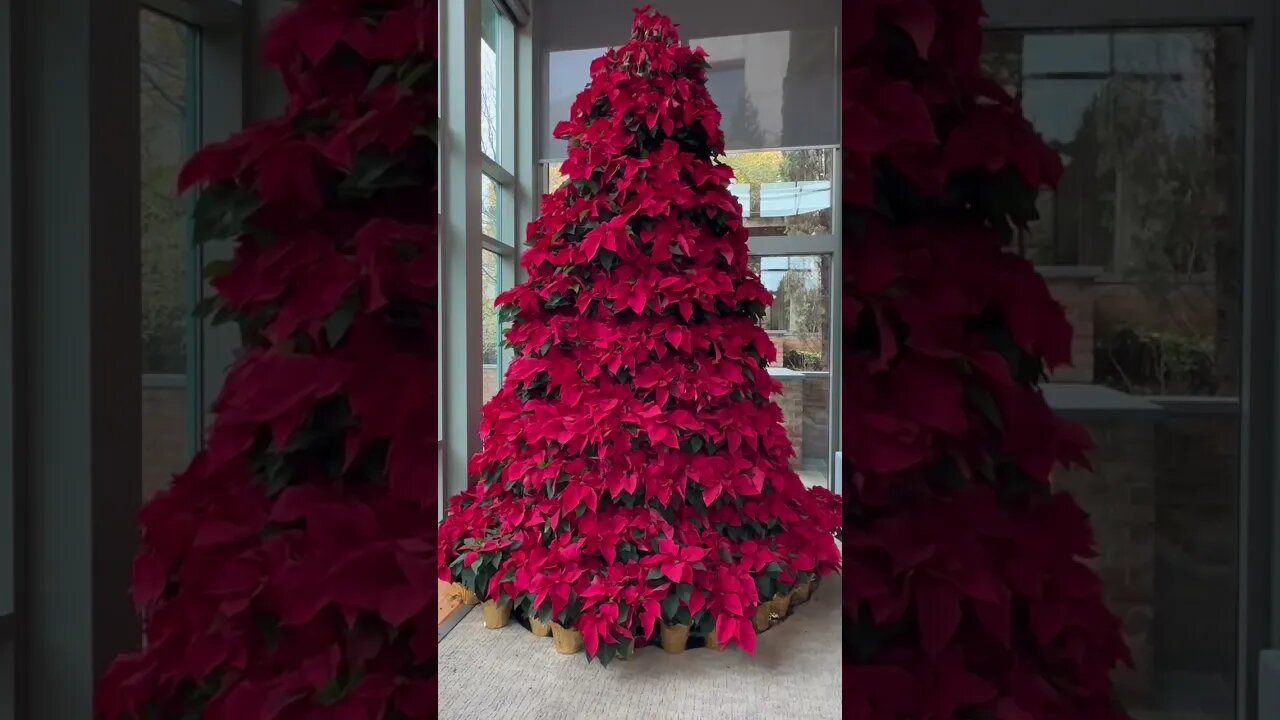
<point x="539" y="628"/>
<point x="674" y="638"/>
<point x="567" y="641"/>
<point x="495" y="615"/>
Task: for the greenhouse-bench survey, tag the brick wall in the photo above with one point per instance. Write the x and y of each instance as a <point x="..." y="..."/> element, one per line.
<point x="1120" y="501"/>
<point x="792" y="402"/>
<point x="1162" y="506"/>
<point x="164" y="436"/>
<point x="815" y="429"/>
<point x="489" y="377"/>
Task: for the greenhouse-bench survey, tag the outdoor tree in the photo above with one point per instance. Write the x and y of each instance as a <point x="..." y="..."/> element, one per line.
<point x="967" y="593"/>
<point x="634" y="471"/>
<point x="163" y="114"/>
<point x="286" y="573"/>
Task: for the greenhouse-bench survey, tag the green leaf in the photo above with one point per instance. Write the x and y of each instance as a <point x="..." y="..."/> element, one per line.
<point x="269" y="626"/>
<point x="415" y="74"/>
<point x="217" y="268"/>
<point x="984" y="403"/>
<point x="205" y="307"/>
<point x="655" y="574"/>
<point x="379" y="76"/>
<point x="684" y="591"/>
<point x="221" y="212"/>
<point x="375" y="169"/>
<point x="339" y="321"/>
<point x="670" y="604"/>
<point x="336" y="690"/>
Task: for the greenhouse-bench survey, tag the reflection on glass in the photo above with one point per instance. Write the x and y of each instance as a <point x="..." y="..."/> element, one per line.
<point x="167" y="75"/>
<point x="782" y="192"/>
<point x="490" y="208"/>
<point x="490" y="106"/>
<point x="1141" y="243"/>
<point x="798" y="324"/>
<point x="491" y="335"/>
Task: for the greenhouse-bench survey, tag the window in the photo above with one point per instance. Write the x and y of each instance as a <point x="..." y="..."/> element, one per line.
<point x="491" y="338"/>
<point x="170" y="131"/>
<point x="486" y="183"/>
<point x="1142" y="243"/>
<point x="799" y="324"/>
<point x="782" y="192"/>
<point x="497" y="184"/>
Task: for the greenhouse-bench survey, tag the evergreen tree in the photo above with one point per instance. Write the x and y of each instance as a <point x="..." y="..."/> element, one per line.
<point x="967" y="593"/>
<point x="634" y="471"/>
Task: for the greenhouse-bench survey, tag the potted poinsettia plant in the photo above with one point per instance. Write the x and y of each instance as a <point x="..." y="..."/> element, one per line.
<point x="804" y="569"/>
<point x="675" y="565"/>
<point x="477" y="568"/>
<point x="728" y="607"/>
<point x="457" y="539"/>
<point x="556" y="594"/>
<point x="773" y="581"/>
<point x="646" y="597"/>
<point x="608" y="609"/>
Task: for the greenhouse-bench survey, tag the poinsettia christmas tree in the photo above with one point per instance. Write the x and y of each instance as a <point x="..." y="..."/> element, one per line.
<point x="634" y="471"/>
<point x="966" y="589"/>
<point x="287" y="572"/>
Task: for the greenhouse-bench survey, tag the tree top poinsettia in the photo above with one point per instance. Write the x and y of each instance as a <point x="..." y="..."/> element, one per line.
<point x="286" y="573"/>
<point x="967" y="592"/>
<point x="634" y="455"/>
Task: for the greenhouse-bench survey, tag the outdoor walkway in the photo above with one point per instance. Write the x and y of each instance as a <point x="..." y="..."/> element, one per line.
<point x="512" y="675"/>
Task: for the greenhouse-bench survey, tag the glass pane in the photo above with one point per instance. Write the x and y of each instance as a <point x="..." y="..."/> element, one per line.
<point x="491" y="338"/>
<point x="1141" y="243"/>
<point x="168" y="136"/>
<point x="799" y="325"/>
<point x="491" y="209"/>
<point x="784" y="192"/>
<point x="490" y="80"/>
<point x="554" y="178"/>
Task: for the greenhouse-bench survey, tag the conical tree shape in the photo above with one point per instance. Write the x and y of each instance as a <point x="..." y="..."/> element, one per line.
<point x="967" y="593"/>
<point x="634" y="470"/>
<point x="286" y="573"/>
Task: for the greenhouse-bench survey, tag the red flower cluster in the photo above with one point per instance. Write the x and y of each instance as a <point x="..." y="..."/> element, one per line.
<point x="633" y="460"/>
<point x="286" y="572"/>
<point x="966" y="588"/>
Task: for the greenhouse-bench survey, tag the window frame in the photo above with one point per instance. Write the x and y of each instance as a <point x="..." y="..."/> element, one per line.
<point x="32" y="476"/>
<point x="464" y="165"/>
